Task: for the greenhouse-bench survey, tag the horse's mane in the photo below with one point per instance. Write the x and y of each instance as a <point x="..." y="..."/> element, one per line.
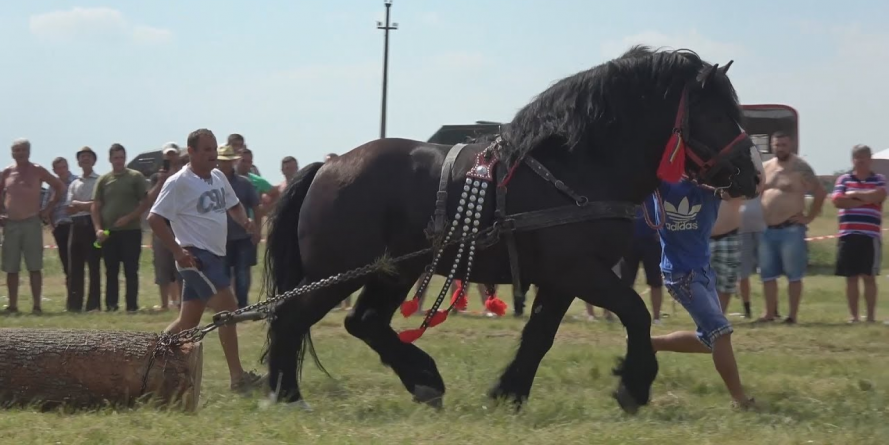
<point x="575" y="107"/>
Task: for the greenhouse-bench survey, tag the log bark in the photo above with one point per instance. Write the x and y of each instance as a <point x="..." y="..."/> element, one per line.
<point x="88" y="369"/>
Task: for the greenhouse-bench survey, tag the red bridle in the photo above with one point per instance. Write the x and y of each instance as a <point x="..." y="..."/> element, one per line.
<point x="672" y="166"/>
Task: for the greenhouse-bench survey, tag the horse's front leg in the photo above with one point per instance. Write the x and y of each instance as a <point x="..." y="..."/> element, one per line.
<point x="603" y="288"/>
<point x="537" y="338"/>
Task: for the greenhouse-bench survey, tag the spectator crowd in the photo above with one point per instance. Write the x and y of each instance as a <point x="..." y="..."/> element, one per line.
<point x="97" y="219"/>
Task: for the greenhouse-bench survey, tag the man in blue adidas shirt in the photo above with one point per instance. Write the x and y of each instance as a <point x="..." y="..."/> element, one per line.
<point x="691" y="212"/>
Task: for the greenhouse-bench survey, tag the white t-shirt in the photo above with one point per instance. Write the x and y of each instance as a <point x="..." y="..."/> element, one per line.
<point x="197" y="208"/>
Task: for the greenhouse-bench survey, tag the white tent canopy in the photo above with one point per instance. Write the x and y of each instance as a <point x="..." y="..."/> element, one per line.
<point x="884" y="154"/>
<point x="880" y="162"/>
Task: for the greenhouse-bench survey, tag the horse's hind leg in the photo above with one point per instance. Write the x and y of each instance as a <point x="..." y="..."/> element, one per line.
<point x="370" y="321"/>
<point x="537" y="338"/>
<point x="289" y="337"/>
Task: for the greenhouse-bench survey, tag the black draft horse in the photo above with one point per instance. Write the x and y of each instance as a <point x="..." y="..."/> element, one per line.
<point x="601" y="132"/>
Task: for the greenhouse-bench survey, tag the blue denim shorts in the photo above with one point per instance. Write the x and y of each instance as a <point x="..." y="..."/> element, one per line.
<point x="696" y="292"/>
<point x="783" y="251"/>
<point x="205" y="281"/>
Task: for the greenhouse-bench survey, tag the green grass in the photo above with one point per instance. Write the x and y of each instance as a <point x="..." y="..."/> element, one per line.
<point x="820" y="382"/>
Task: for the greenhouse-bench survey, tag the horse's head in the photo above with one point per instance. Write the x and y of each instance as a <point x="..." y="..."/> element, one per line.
<point x="718" y="152"/>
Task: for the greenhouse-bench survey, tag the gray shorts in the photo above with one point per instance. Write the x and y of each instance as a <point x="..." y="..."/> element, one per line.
<point x="22" y="238"/>
<point x="164" y="264"/>
<point x="749" y="254"/>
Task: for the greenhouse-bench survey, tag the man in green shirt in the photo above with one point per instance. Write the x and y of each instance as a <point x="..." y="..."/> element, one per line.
<point x="267" y="192"/>
<point x="119" y="200"/>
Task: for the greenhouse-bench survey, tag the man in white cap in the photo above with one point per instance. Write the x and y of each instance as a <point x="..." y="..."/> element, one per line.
<point x="165" y="276"/>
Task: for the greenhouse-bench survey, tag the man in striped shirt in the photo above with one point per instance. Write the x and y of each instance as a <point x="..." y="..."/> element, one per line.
<point x="859" y="196"/>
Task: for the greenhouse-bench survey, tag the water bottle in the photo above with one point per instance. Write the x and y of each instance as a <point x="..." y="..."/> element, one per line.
<point x="97" y="244"/>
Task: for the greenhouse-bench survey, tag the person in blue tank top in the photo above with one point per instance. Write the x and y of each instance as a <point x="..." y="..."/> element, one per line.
<point x="690" y="212"/>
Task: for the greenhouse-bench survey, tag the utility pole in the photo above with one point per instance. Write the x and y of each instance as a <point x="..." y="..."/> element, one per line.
<point x="386" y="28"/>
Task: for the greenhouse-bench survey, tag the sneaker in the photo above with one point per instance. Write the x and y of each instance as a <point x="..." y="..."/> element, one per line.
<point x="656" y="321"/>
<point x="248" y="382"/>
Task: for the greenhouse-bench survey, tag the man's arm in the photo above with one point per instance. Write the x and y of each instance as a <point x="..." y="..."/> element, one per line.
<point x="96" y="207"/>
<point x="58" y="188"/>
<point x="813" y="186"/>
<point x="239" y="214"/>
<point x="840" y="198"/>
<point x="164" y="233"/>
<point x="3" y="190"/>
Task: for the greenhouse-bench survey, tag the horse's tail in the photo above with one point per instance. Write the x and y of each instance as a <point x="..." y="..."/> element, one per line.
<point x="283" y="262"/>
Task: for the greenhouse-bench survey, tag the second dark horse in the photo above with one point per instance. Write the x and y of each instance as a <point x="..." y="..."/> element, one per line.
<point x="602" y="132"/>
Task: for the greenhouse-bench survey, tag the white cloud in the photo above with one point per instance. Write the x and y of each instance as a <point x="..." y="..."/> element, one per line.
<point x="150" y="35"/>
<point x="710" y="50"/>
<point x="101" y="24"/>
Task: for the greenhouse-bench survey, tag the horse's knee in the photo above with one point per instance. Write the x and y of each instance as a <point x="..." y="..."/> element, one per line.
<point x="357" y="324"/>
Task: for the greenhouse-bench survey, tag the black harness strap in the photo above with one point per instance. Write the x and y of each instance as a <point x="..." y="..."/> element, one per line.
<point x="544" y="173"/>
<point x="500" y="215"/>
<point x="439" y="219"/>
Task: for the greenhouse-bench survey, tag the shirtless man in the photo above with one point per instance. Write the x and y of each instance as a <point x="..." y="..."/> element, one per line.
<point x="21" y="217"/>
<point x="289" y="167"/>
<point x="782" y="248"/>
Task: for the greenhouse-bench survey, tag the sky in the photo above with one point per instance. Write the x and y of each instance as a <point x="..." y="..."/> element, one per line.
<point x="304" y="78"/>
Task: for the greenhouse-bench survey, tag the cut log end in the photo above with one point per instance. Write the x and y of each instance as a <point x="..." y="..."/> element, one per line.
<point x="90" y="369"/>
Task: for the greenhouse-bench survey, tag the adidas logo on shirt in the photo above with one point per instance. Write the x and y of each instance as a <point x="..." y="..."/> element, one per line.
<point x="682" y="217"/>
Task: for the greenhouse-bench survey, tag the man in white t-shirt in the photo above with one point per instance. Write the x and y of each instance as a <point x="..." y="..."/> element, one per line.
<point x="195" y="200"/>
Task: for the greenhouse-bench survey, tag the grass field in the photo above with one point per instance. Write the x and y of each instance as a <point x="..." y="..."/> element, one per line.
<point x="819" y="382"/>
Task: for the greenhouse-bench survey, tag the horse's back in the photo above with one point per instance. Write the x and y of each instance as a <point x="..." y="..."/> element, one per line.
<point x="377" y="197"/>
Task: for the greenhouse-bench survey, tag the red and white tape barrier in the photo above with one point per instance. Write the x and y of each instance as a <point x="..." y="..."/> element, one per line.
<point x="811" y="238"/>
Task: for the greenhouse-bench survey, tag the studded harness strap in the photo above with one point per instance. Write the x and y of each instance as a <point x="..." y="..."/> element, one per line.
<point x="468" y="219"/>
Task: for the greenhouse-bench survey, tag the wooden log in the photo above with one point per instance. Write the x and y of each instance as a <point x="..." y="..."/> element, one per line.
<point x="88" y="369"/>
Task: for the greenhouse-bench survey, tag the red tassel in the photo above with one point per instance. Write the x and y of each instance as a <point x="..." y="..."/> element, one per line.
<point x="456" y="300"/>
<point x="459" y="301"/>
<point x="495" y="305"/>
<point x="438" y="318"/>
<point x="409" y="307"/>
<point x="410" y="335"/>
<point x="672" y="165"/>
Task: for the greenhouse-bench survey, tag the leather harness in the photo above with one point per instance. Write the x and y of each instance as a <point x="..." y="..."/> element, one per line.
<point x="507" y="224"/>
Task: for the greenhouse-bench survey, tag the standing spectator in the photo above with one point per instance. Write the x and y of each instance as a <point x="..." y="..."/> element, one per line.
<point x="782" y="249"/>
<point x="195" y="201"/>
<point x="83" y="234"/>
<point x="645" y="248"/>
<point x="120" y="198"/>
<point x="752" y="226"/>
<point x="165" y="275"/>
<point x="289" y="167"/>
<point x="21" y="216"/>
<point x="236" y="141"/>
<point x="859" y="196"/>
<point x="244" y="168"/>
<point x="59" y="220"/>
<point x="240" y="248"/>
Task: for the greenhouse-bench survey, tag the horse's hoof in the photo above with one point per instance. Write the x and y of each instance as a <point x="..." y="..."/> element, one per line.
<point x="625" y="400"/>
<point x="498" y="395"/>
<point x="428" y="395"/>
<point x="272" y="399"/>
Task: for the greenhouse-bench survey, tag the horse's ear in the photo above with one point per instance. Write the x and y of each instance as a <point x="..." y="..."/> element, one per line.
<point x="724" y="69"/>
<point x="707" y="74"/>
